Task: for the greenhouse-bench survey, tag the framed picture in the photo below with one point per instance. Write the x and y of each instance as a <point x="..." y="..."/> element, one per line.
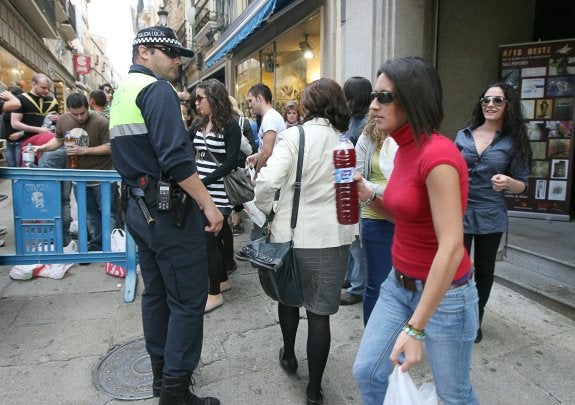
<point x="540" y="189"/>
<point x="559" y="169"/>
<point x="557" y="190"/>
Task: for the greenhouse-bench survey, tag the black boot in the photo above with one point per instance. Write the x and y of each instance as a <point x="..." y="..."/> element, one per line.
<point x="157" y="368"/>
<point x="176" y="391"/>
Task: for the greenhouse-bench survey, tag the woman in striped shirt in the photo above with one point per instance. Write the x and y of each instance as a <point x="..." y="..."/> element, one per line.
<point x="216" y="137"/>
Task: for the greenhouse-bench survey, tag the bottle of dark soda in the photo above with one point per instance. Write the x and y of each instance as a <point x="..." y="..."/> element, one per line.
<point x="346" y="198"/>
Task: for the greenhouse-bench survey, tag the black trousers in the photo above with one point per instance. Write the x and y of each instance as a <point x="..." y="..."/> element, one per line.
<point x="174" y="268"/>
<point x="485" y="253"/>
<point x="217" y="255"/>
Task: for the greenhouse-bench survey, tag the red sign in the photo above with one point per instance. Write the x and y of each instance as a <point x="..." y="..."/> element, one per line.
<point x="81" y="64"/>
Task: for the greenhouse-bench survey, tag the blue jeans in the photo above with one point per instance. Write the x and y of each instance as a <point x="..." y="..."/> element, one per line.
<point x="377" y="237"/>
<point x="356" y="268"/>
<point x="13" y="154"/>
<point x="449" y="336"/>
<point x="94" y="213"/>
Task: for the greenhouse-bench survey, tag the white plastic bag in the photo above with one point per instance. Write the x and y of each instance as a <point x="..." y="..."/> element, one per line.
<point x="28" y="271"/>
<point x="118" y="240"/>
<point x="257" y="217"/>
<point x="401" y="390"/>
<point x="117" y="244"/>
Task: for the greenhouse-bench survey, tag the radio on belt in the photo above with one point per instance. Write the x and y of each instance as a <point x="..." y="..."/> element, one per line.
<point x="164" y="196"/>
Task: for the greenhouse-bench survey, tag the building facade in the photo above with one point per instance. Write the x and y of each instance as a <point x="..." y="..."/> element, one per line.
<point x="43" y="36"/>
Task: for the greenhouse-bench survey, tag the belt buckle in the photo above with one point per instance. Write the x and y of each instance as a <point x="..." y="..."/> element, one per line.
<point x="402" y="280"/>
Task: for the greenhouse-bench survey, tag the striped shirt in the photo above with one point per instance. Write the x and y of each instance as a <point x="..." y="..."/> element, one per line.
<point x="206" y="166"/>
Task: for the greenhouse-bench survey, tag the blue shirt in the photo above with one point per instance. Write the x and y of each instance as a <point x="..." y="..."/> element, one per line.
<point x="166" y="148"/>
<point x="486" y="208"/>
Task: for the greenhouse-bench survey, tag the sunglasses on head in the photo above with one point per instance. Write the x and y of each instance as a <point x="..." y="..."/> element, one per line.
<point x="498" y="101"/>
<point x="383" y="97"/>
<point x="170" y="52"/>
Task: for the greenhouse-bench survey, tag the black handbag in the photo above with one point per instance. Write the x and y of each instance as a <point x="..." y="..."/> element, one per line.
<point x="277" y="265"/>
<point x="237" y="183"/>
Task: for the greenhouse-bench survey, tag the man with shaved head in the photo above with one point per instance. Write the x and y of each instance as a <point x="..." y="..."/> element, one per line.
<point x="36" y="105"/>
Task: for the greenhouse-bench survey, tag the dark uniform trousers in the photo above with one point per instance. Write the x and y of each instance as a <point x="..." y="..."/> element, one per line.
<point x="173" y="263"/>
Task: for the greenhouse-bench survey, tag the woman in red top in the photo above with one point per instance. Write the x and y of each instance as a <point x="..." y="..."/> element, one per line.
<point x="430" y="296"/>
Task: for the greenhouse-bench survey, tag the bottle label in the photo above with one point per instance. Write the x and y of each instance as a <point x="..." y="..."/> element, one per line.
<point x="344" y="175"/>
<point x="28" y="156"/>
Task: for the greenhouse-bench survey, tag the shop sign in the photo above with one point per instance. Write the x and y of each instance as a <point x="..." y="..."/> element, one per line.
<point x="81" y="64"/>
<point x="543" y="73"/>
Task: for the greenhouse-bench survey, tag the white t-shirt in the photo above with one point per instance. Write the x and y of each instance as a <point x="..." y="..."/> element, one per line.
<point x="271" y="121"/>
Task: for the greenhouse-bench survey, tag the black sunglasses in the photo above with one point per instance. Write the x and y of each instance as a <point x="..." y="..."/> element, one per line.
<point x="498" y="101"/>
<point x="170" y="52"/>
<point x="383" y="97"/>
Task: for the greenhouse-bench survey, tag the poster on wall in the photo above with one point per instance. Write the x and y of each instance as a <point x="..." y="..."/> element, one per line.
<point x="543" y="73"/>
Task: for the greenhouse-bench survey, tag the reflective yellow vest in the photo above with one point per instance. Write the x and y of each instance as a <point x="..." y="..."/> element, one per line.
<point x="125" y="116"/>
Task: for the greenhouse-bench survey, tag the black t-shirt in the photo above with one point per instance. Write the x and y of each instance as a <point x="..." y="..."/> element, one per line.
<point x="36" y="109"/>
<point x="7" y="129"/>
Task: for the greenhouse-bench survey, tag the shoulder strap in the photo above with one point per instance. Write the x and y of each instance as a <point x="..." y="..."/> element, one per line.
<point x="297" y="184"/>
<point x="214" y="159"/>
<point x="241" y="122"/>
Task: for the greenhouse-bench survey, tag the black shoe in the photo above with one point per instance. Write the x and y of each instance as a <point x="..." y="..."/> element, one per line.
<point x="345" y="285"/>
<point x="176" y="391"/>
<point x="157" y="368"/>
<point x="317" y="401"/>
<point x="240" y="256"/>
<point x="289" y="365"/>
<point x="238" y="230"/>
<point x="349" y="299"/>
<point x="479" y="336"/>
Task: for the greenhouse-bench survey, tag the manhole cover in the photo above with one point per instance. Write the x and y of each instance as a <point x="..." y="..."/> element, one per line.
<point x="125" y="372"/>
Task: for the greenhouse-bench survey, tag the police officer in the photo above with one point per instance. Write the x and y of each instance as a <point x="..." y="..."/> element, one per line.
<point x="152" y="153"/>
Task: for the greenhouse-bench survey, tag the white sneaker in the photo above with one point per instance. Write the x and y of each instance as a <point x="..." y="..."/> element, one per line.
<point x="3" y="230"/>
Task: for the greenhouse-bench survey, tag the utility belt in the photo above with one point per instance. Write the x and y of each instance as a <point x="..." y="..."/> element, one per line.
<point x="163" y="196"/>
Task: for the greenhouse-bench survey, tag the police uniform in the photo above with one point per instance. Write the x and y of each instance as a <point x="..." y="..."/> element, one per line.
<point x="148" y="138"/>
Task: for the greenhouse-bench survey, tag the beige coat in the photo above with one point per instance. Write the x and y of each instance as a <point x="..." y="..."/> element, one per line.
<point x="317" y="225"/>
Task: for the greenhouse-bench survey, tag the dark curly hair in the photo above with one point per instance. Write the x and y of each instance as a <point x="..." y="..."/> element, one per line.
<point x="324" y="98"/>
<point x="513" y="121"/>
<point x="219" y="100"/>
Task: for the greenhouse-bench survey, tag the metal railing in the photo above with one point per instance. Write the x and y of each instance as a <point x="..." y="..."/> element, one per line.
<point x="38" y="220"/>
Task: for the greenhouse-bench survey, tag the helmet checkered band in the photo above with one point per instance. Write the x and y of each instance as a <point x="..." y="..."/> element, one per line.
<point x="157" y="35"/>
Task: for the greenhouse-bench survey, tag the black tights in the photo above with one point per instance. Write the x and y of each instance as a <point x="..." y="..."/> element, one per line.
<point x="216" y="258"/>
<point x="318" y="343"/>
<point x="484" y="255"/>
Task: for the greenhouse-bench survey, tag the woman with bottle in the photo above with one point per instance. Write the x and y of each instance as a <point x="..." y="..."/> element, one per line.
<point x="216" y="137"/>
<point x="430" y="295"/>
<point x="321" y="244"/>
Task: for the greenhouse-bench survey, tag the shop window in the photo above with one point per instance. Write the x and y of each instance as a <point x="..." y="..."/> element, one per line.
<point x="281" y="65"/>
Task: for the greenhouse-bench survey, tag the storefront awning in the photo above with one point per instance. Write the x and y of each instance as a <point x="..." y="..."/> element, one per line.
<point x="252" y="17"/>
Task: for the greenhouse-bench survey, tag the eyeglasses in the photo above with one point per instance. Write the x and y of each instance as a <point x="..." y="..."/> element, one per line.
<point x="108" y="90"/>
<point x="498" y="101"/>
<point x="170" y="52"/>
<point x="383" y="97"/>
<point x="200" y="98"/>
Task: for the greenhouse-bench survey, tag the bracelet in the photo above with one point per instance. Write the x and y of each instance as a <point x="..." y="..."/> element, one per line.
<point x="418" y="334"/>
<point x="370" y="199"/>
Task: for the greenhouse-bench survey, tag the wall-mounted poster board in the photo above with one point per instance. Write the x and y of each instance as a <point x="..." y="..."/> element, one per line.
<point x="544" y="75"/>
